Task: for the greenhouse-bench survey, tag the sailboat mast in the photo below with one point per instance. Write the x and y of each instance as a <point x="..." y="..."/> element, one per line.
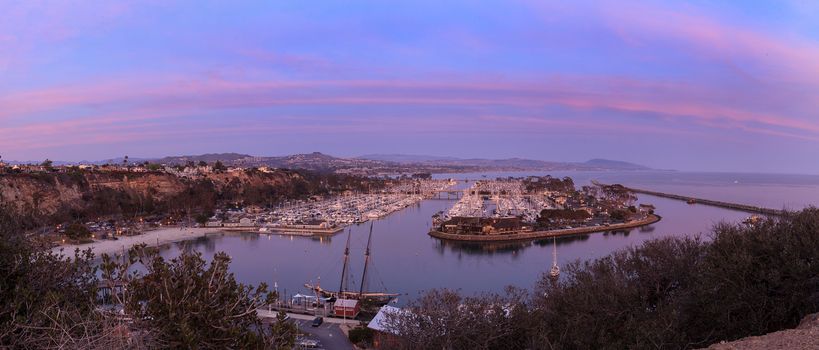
<point x="366" y="262"/>
<point x="346" y="258"/>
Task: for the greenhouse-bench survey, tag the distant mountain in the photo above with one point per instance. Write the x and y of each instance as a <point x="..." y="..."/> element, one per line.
<point x="310" y="161"/>
<point x="509" y="163"/>
<point x="615" y="164"/>
<point x="208" y="158"/>
<point x="399" y="162"/>
<point x="113" y="161"/>
<point x="380" y="163"/>
<point x="405" y="158"/>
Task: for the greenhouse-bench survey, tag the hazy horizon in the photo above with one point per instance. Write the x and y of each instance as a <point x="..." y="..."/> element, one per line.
<point x="134" y="157"/>
<point x="695" y="86"/>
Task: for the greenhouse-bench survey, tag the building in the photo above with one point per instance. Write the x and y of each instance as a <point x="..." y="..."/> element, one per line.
<point x="315" y="224"/>
<point x="647" y="208"/>
<point x="346" y="308"/>
<point x="383" y="337"/>
<point x="242" y="222"/>
<point x="482" y="226"/>
<point x="501" y="225"/>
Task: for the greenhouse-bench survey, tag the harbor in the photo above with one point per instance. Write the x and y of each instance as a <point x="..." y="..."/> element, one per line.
<point x="509" y="209"/>
<point x="409" y="261"/>
<point x="328" y="215"/>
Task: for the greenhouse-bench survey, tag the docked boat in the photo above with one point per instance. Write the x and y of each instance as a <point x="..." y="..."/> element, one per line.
<point x="554" y="272"/>
<point x="376" y="298"/>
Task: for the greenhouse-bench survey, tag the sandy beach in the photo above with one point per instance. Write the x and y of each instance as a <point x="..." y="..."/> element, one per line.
<point x="151" y="238"/>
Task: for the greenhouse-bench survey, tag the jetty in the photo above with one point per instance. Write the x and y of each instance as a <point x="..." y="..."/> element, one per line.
<point x="713" y="203"/>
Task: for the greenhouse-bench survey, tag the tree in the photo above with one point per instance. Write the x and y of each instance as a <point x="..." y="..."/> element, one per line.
<point x="203" y="163"/>
<point x="218" y="166"/>
<point x="202" y="219"/>
<point x="443" y="319"/>
<point x="283" y="331"/>
<point x="676" y="292"/>
<point x="190" y="304"/>
<point x="47" y="298"/>
<point x="620" y="214"/>
<point x="77" y="231"/>
<point x="47" y="164"/>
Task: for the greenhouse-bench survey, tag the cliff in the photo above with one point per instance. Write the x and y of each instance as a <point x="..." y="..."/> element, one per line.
<point x="49" y="198"/>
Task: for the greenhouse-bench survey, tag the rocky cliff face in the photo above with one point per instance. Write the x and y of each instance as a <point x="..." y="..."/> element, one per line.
<point x="58" y="197"/>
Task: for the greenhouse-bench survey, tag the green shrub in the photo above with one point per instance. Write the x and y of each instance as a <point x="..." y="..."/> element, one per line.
<point x="360" y="335"/>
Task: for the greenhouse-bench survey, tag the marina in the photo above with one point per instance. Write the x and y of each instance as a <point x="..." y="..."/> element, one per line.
<point x="328" y="216"/>
<point x="409" y="261"/>
<point x="508" y="209"/>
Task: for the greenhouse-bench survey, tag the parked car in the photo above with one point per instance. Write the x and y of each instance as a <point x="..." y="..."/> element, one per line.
<point x="306" y="343"/>
<point x="318" y="321"/>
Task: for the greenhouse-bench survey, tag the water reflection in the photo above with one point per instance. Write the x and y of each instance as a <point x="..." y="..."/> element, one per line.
<point x="508" y="247"/>
<point x="647" y="229"/>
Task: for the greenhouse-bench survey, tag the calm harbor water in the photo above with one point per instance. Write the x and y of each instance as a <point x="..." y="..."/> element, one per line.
<point x="406" y="260"/>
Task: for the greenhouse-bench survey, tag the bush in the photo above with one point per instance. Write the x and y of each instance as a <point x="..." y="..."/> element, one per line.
<point x="674" y="293"/>
<point x="361" y="335"/>
<point x="77" y="231"/>
<point x="47" y="299"/>
<point x="682" y="292"/>
<point x="200" y="305"/>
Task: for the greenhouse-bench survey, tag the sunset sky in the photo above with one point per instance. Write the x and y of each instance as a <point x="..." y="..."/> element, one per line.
<point x="689" y="85"/>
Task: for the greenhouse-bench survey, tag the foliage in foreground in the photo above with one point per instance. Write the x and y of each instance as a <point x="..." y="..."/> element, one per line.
<point x="50" y="301"/>
<point x="47" y="300"/>
<point x="189" y="303"/>
<point x="670" y="293"/>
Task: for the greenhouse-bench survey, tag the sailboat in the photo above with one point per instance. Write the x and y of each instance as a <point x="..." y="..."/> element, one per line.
<point x="554" y="272"/>
<point x="361" y="294"/>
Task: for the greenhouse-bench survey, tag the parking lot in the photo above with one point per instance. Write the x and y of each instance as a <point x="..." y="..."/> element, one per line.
<point x="327" y="336"/>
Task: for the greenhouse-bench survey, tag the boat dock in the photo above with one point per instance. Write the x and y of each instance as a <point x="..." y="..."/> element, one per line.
<point x="713" y="203"/>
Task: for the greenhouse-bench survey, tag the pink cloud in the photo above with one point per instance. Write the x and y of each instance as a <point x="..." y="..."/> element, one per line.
<point x="145" y="99"/>
<point x="769" y="57"/>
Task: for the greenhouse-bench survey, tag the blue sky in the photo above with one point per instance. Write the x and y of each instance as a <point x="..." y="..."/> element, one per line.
<point x="695" y="85"/>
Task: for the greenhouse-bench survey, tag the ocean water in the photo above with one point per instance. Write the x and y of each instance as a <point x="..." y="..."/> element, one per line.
<point x="408" y="261"/>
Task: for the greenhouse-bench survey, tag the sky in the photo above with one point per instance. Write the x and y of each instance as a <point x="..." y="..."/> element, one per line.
<point x="688" y="85"/>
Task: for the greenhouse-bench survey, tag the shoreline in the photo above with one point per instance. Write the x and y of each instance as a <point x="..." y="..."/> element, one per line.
<point x="653" y="218"/>
<point x="151" y="238"/>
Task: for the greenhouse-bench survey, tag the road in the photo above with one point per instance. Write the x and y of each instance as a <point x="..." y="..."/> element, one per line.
<point x="328" y="335"/>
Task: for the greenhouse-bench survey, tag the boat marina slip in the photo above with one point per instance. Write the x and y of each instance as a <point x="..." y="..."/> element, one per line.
<point x="321" y="216"/>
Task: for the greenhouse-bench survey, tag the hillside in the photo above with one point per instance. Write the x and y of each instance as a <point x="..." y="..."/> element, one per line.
<point x="50" y="198"/>
<point x="614" y="164"/>
<point x="805" y="336"/>
<point x="505" y="164"/>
